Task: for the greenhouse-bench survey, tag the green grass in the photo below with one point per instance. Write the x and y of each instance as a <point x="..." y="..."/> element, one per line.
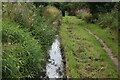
<point x="85" y="56"/>
<point x="109" y="38"/>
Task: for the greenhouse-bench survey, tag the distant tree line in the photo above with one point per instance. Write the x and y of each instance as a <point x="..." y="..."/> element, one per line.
<point x="95" y="7"/>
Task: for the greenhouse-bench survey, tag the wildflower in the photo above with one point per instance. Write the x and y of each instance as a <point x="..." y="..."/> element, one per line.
<point x="9" y="43"/>
<point x="4" y="5"/>
<point x="32" y="19"/>
<point x="43" y="29"/>
<point x="53" y="23"/>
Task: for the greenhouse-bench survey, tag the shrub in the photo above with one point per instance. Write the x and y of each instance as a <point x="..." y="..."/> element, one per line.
<point x="51" y="13"/>
<point x="22" y="55"/>
<point x="108" y="20"/>
<point x="84" y="14"/>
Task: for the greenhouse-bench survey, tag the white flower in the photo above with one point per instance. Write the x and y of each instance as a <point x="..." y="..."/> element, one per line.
<point x="53" y="22"/>
<point x="4" y="5"/>
<point x="9" y="43"/>
<point x="43" y="29"/>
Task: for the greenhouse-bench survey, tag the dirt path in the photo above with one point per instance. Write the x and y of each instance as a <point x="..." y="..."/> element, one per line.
<point x="108" y="50"/>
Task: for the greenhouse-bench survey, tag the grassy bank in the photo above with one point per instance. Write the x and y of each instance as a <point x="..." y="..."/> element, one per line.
<point x="26" y="36"/>
<point x="110" y="38"/>
<point x="85" y="56"/>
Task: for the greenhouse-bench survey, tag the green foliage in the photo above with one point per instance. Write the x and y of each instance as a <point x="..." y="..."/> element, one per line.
<point x="96" y="7"/>
<point x="43" y="28"/>
<point x="51" y="13"/>
<point x="44" y="32"/>
<point x="30" y="29"/>
<point x="27" y="34"/>
<point x="85" y="15"/>
<point x="108" y="20"/>
<point x="22" y="55"/>
<point x="22" y="13"/>
<point x="36" y="20"/>
<point x="68" y="20"/>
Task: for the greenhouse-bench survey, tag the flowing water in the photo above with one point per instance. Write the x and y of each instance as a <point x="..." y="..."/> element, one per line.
<point x="54" y="67"/>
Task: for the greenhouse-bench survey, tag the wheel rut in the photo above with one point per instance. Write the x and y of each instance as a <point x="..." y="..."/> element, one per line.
<point x="108" y="50"/>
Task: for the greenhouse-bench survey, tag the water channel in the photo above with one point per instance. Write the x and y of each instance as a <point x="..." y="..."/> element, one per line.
<point x="54" y="67"/>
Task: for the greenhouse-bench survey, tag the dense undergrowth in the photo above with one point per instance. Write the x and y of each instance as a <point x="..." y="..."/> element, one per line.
<point x="108" y="20"/>
<point x="27" y="34"/>
<point x="22" y="55"/>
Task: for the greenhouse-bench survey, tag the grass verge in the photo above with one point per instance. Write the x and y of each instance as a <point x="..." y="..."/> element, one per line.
<point x="107" y="36"/>
<point x="85" y="57"/>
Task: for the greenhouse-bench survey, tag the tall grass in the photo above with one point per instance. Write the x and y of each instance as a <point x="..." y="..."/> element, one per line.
<point x="26" y="37"/>
<point x="22" y="55"/>
<point x="45" y="27"/>
<point x="22" y="13"/>
<point x="29" y="18"/>
<point x="44" y="32"/>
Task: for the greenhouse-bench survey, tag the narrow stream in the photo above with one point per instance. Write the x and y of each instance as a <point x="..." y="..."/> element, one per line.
<point x="54" y="67"/>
